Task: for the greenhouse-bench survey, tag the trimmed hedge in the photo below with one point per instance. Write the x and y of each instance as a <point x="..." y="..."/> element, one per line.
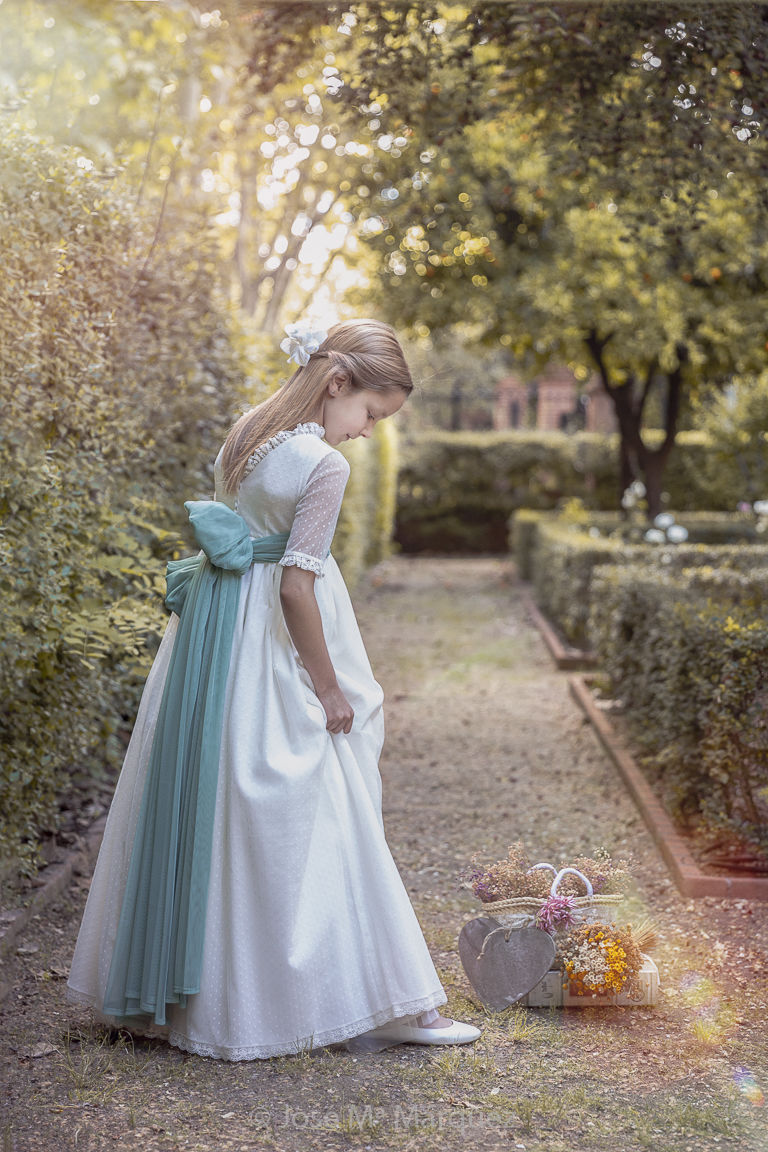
<point x="561" y="558"/>
<point x="687" y="653"/>
<point x="457" y="490"/>
<point x="364" y="532"/>
<point x="120" y="375"/>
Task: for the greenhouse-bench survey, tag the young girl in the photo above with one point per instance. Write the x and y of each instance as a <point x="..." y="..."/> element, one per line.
<point x="245" y="903"/>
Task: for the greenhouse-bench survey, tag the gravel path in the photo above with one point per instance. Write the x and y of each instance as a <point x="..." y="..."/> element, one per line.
<point x="484" y="747"/>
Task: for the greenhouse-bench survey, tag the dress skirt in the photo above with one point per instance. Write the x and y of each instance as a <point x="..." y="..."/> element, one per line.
<point x="310" y="936"/>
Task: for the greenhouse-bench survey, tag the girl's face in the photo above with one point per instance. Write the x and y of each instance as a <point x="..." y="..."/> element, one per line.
<point x="348" y="412"/>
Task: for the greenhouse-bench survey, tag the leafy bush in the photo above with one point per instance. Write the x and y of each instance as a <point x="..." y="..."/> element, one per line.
<point x="382" y="487"/>
<point x="737" y="422"/>
<point x="118" y="374"/>
<point x="364" y="532"/>
<point x="457" y="490"/>
<point x="687" y="653"/>
<point x="562" y="556"/>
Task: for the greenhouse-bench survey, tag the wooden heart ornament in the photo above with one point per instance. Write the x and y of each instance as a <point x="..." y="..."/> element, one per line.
<point x="502" y="964"/>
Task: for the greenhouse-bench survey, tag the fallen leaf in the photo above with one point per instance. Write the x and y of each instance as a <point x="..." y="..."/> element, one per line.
<point x="37" y="1050"/>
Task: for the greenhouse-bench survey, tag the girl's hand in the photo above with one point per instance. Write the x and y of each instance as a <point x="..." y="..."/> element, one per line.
<point x="338" y="710"/>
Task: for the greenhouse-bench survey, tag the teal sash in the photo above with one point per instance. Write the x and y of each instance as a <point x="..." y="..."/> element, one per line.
<point x="158" y="951"/>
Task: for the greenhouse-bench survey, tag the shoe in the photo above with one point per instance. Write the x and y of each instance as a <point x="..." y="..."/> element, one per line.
<point x="455" y="1033"/>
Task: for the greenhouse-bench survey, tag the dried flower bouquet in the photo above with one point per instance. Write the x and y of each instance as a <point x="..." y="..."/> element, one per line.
<point x="518" y="876"/>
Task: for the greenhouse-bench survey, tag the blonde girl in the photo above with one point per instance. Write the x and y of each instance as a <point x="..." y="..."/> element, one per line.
<point x="245" y="903"/>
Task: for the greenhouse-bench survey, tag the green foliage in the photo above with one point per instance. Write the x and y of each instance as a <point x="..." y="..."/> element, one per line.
<point x="737" y="422"/>
<point x="364" y="532"/>
<point x="350" y="540"/>
<point x="205" y="112"/>
<point x="687" y="653"/>
<point x="679" y="632"/>
<point x="615" y="220"/>
<point x="562" y="558"/>
<point x="457" y="490"/>
<point x="524" y="527"/>
<point x="118" y="374"/>
<point x="382" y="497"/>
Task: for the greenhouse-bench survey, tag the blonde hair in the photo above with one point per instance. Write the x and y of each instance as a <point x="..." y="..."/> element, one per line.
<point x="364" y="353"/>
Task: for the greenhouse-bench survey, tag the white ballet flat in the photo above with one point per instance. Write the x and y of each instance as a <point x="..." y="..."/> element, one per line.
<point x="455" y="1033"/>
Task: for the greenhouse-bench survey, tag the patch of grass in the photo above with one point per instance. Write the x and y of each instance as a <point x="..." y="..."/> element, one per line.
<point x="469" y="1064"/>
<point x="594" y="1114"/>
<point x="696" y="1117"/>
<point x="95" y="1063"/>
<point x="498" y="657"/>
<point x="442" y="939"/>
<point x="531" y="1026"/>
<point x="525" y="1109"/>
<point x="305" y="1059"/>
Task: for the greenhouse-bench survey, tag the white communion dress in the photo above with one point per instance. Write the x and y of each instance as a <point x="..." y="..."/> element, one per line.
<point x="309" y="934"/>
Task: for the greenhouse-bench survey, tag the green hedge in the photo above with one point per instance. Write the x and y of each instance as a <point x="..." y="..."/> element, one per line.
<point x="561" y="558"/>
<point x="121" y="370"/>
<point x="457" y="490"/>
<point x="118" y="376"/>
<point x="364" y="532"/>
<point x="687" y="654"/>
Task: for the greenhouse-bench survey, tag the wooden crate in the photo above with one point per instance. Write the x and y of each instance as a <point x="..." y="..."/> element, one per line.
<point x="550" y="993"/>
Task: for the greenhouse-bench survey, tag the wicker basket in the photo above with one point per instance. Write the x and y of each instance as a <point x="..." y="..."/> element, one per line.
<point x="523" y="909"/>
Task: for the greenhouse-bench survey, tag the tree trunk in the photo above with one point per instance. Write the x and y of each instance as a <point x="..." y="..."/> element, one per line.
<point x="654" y="462"/>
<point x="636" y="459"/>
<point x="653" y="478"/>
<point x="626" y="471"/>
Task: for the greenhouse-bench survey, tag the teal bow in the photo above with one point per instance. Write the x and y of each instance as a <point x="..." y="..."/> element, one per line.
<point x="224" y="537"/>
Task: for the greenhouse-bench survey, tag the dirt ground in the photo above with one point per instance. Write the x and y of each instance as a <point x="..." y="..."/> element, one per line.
<point x="484" y="747"/>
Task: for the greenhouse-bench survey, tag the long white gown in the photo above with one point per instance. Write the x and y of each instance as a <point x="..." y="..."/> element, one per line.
<point x="310" y="937"/>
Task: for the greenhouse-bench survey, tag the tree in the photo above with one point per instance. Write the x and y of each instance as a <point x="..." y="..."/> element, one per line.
<point x="596" y="190"/>
<point x="221" y="114"/>
<point x="737" y="421"/>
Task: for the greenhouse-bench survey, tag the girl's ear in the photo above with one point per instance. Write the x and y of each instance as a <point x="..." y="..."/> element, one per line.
<point x="337" y="383"/>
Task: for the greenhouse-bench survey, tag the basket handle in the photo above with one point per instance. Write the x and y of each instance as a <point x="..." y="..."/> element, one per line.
<point x="550" y="867"/>
<point x="573" y="872"/>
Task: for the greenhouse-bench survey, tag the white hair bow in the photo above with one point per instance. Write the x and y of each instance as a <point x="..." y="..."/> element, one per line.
<point x="300" y="343"/>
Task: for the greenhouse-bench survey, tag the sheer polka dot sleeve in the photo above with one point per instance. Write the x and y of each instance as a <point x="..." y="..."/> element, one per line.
<point x="316" y="514"/>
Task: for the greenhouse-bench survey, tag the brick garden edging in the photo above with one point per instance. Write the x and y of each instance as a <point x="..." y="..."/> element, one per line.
<point x="566" y="658"/>
<point x="688" y="876"/>
<point x="53" y="880"/>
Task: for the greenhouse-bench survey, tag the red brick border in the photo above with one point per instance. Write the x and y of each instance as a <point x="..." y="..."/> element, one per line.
<point x="686" y="873"/>
<point x="565" y="657"/>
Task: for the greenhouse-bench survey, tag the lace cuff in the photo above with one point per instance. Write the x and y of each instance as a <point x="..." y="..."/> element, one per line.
<point x="301" y="560"/>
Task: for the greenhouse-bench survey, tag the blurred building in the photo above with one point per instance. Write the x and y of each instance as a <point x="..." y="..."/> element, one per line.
<point x="552" y="402"/>
<point x="600" y="412"/>
<point x="511" y="408"/>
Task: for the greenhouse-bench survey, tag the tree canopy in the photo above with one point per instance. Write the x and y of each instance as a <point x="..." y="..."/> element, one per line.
<point x="583" y="181"/>
<point x="580" y="181"/>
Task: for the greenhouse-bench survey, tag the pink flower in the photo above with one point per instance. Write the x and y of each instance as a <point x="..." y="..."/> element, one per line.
<point x="555" y="913"/>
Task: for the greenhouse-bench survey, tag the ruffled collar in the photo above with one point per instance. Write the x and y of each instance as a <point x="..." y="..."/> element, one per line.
<point x="310" y="428"/>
